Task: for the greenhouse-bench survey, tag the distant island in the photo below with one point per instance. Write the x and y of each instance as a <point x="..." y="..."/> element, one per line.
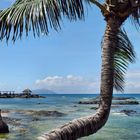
<point x="43" y="91"/>
<point x="27" y="93"/>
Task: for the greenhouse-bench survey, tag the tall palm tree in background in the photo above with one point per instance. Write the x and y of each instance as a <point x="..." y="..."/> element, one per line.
<point x="117" y="51"/>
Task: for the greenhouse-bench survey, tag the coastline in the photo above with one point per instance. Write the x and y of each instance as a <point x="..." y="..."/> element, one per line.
<point x="30" y="118"/>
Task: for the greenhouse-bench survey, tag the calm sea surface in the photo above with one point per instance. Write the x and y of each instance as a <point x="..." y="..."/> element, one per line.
<point x="118" y="127"/>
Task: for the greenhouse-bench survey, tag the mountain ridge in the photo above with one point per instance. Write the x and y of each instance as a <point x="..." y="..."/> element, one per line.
<point x="43" y="91"/>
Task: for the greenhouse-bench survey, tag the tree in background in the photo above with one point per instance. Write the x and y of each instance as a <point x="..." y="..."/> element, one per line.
<point x="117" y="51"/>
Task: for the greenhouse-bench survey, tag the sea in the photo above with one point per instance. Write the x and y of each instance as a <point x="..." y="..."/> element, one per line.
<point x="119" y="126"/>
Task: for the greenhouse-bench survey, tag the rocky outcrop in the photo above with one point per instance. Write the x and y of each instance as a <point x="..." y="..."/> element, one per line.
<point x="5" y="95"/>
<point x="36" y="114"/>
<point x="44" y="113"/>
<point x="94" y="108"/>
<point x="3" y="126"/>
<point x="126" y="102"/>
<point x="30" y="96"/>
<point x="116" y="101"/>
<point x="129" y="112"/>
<point x="95" y="100"/>
<point x="89" y="102"/>
<point x="123" y="98"/>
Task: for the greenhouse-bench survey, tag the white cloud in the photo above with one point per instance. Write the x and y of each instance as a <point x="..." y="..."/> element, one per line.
<point x="79" y="84"/>
<point x="68" y="84"/>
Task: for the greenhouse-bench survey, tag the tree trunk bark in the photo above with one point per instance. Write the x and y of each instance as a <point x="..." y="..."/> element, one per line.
<point x="91" y="124"/>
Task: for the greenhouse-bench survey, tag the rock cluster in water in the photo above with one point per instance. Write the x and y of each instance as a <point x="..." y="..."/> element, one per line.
<point x="14" y="95"/>
<point x="41" y="113"/>
<point x="48" y="113"/>
<point x="116" y="101"/>
<point x="32" y="115"/>
<point x="17" y="123"/>
<point x="129" y="112"/>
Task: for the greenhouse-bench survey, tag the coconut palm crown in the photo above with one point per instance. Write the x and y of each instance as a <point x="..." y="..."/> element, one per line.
<point x="39" y="16"/>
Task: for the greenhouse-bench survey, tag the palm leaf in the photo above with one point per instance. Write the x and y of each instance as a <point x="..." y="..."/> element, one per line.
<point x="38" y="16"/>
<point x="124" y="54"/>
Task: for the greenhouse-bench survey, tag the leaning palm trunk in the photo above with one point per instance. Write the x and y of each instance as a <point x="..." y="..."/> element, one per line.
<point x="89" y="125"/>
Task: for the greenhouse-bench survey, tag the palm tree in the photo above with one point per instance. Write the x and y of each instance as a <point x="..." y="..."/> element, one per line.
<point x="117" y="51"/>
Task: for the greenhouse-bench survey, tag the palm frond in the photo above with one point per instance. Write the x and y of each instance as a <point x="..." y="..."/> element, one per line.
<point x="38" y="16"/>
<point x="124" y="54"/>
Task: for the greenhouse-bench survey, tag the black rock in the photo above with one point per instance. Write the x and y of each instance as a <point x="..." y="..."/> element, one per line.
<point x="93" y="101"/>
<point x="126" y="102"/>
<point x="129" y="112"/>
<point x="5" y="95"/>
<point x="48" y="113"/>
<point x="3" y="126"/>
<point x="94" y="108"/>
<point x="116" y="101"/>
<point x="35" y="119"/>
<point x="75" y="106"/>
<point x="123" y="98"/>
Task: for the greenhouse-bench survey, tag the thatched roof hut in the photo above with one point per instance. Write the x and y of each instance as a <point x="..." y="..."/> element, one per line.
<point x="27" y="91"/>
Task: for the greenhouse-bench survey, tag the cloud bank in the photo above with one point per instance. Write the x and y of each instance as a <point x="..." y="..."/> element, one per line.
<point x="68" y="84"/>
<point x="79" y="84"/>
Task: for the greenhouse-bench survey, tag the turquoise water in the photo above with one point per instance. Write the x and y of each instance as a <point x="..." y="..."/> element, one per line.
<point x="118" y="127"/>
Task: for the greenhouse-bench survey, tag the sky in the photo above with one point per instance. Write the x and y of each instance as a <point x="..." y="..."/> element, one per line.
<point x="68" y="61"/>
